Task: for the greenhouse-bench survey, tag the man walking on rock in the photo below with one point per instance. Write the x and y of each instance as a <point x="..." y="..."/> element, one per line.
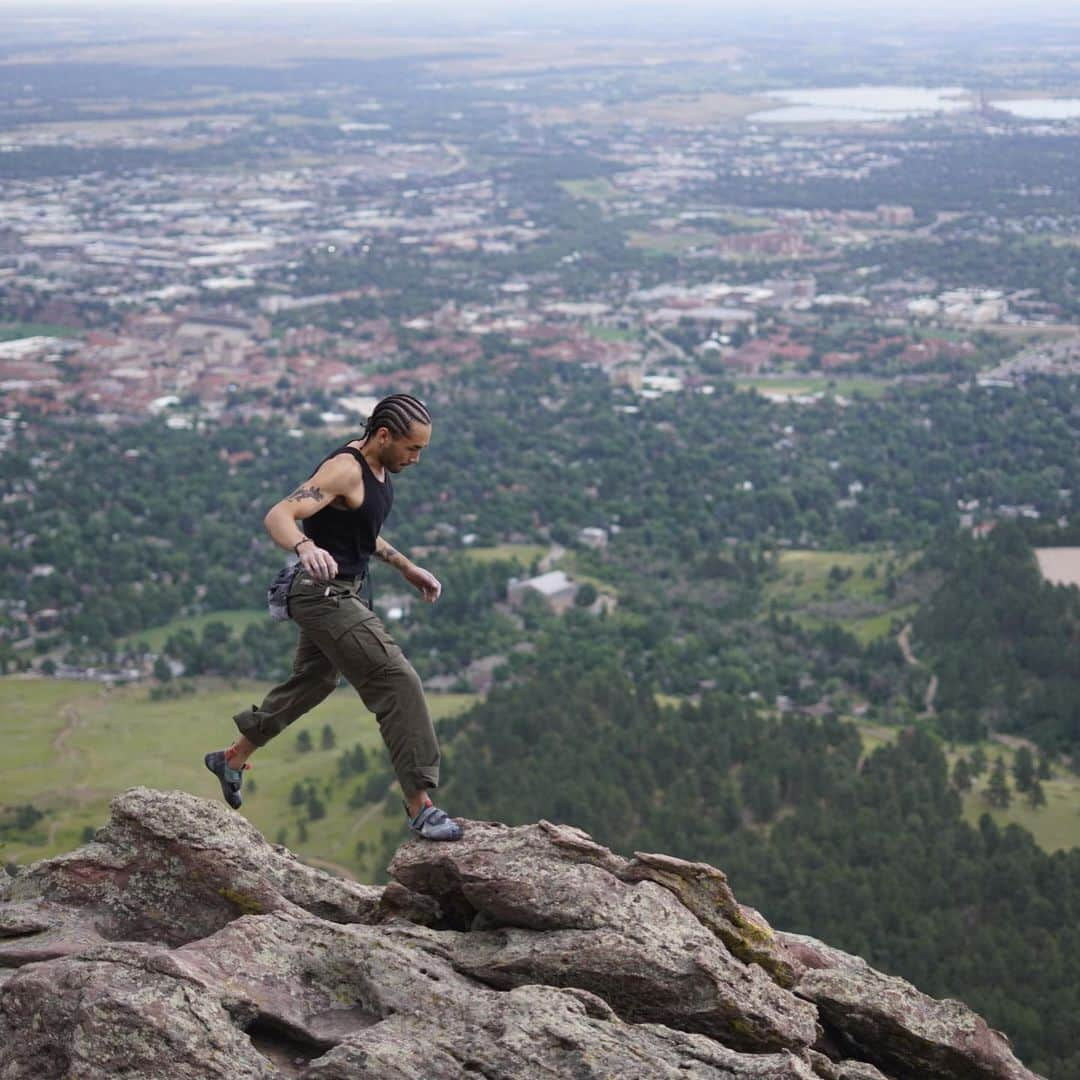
<point x="342" y="507"/>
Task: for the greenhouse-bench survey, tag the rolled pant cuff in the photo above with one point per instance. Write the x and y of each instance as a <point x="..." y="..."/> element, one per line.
<point x="420" y="780"/>
<point x="248" y="724"/>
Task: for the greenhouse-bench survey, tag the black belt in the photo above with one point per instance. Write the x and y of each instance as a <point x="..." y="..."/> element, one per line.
<point x="350" y="578"/>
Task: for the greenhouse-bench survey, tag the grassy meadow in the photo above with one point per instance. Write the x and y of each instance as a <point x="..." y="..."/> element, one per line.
<point x="803" y="589"/>
<point x="70" y="746"/>
<point x="237" y="620"/>
<point x="796" y="386"/>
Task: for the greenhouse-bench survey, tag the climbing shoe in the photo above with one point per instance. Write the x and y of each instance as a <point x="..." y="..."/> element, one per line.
<point x="231" y="779"/>
<point x="434" y="824"/>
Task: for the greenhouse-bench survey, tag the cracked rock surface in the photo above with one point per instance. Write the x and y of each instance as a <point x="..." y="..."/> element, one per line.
<point x="181" y="944"/>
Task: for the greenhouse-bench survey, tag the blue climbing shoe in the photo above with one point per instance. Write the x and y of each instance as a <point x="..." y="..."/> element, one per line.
<point x="230" y="778"/>
<point x="434" y="824"/>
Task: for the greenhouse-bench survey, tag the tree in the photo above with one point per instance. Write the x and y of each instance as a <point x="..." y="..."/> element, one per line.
<point x="979" y="761"/>
<point x="315" y="807"/>
<point x="327" y="742"/>
<point x="1024" y="769"/>
<point x="297" y="795"/>
<point x="303" y="743"/>
<point x="586" y="595"/>
<point x="962" y="778"/>
<point x="997" y="792"/>
<point x="162" y="671"/>
<point x="1036" y="795"/>
<point x="353" y="761"/>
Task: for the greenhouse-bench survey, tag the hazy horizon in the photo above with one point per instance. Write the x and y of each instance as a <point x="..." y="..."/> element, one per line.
<point x="559" y="12"/>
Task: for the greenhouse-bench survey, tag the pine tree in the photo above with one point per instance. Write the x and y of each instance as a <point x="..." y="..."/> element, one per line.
<point x="303" y="742"/>
<point x="327" y="741"/>
<point x="1036" y="795"/>
<point x="962" y="778"/>
<point x="315" y="807"/>
<point x="1045" y="772"/>
<point x="997" y="793"/>
<point x="978" y="761"/>
<point x="1024" y="769"/>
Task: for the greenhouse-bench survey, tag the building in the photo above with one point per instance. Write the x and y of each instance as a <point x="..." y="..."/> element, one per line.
<point x="594" y="537"/>
<point x="557" y="590"/>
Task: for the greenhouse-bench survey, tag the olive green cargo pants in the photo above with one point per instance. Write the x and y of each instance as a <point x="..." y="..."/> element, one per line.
<point x="339" y="633"/>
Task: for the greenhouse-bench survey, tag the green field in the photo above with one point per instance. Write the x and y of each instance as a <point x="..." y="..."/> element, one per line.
<point x="791" y="386"/>
<point x="237" y="620"/>
<point x="803" y="590"/>
<point x="878" y="626"/>
<point x="523" y="553"/>
<point x="589" y="189"/>
<point x="612" y="333"/>
<point x="70" y="746"/>
<point x="1055" y="826"/>
<point x="15" y="330"/>
<point x="668" y="243"/>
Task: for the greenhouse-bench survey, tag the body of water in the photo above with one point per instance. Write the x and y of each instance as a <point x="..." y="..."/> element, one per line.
<point x="861" y="103"/>
<point x="1041" y="108"/>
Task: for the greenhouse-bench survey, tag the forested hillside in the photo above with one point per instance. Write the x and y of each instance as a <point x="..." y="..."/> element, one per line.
<point x="1004" y="642"/>
<point x="873" y="857"/>
<point x="168" y="522"/>
<point x="763" y="558"/>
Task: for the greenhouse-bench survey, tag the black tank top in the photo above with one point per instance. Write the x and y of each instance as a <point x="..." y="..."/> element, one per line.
<point x="350" y="535"/>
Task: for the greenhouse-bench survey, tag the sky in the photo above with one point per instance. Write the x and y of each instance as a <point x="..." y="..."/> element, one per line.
<point x="81" y="22"/>
<point x="567" y="10"/>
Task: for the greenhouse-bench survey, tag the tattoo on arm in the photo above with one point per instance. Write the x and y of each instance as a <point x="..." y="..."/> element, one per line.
<point x="388" y="554"/>
<point x="302" y="493"/>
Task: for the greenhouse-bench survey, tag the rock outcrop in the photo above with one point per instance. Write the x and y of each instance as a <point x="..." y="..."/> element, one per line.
<point x="181" y="944"/>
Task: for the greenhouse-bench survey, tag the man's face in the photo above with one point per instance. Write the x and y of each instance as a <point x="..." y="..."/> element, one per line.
<point x="397" y="453"/>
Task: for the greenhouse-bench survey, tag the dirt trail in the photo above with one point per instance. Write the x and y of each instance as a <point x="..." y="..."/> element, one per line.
<point x="359" y="821"/>
<point x="903" y="639"/>
<point x="73" y="720"/>
<point x="1014" y="742"/>
<point x="555" y="553"/>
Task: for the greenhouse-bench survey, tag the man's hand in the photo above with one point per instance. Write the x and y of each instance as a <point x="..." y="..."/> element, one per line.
<point x="428" y="585"/>
<point x="320" y="564"/>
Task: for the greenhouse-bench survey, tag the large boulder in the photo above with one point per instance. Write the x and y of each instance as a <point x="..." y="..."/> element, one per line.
<point x="887" y="1021"/>
<point x="546" y="904"/>
<point x="167" y="867"/>
<point x="180" y="944"/>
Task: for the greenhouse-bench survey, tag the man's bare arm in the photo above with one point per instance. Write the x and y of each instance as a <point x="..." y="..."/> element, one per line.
<point x="423" y="580"/>
<point x="335" y="477"/>
<point x="391" y="556"/>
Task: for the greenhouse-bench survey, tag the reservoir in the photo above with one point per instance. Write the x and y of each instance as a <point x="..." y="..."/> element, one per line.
<point x="861" y="103"/>
<point x="1041" y="108"/>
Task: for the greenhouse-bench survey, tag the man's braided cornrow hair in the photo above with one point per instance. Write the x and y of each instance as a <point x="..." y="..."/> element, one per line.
<point x="397" y="413"/>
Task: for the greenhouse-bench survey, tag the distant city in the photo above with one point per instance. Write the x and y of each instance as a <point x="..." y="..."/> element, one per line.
<point x="297" y="242"/>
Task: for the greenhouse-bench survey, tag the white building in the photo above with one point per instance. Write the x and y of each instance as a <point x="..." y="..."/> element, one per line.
<point x="555" y="587"/>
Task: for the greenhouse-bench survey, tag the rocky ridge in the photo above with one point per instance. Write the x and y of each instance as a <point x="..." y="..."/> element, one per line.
<point x="181" y="944"/>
